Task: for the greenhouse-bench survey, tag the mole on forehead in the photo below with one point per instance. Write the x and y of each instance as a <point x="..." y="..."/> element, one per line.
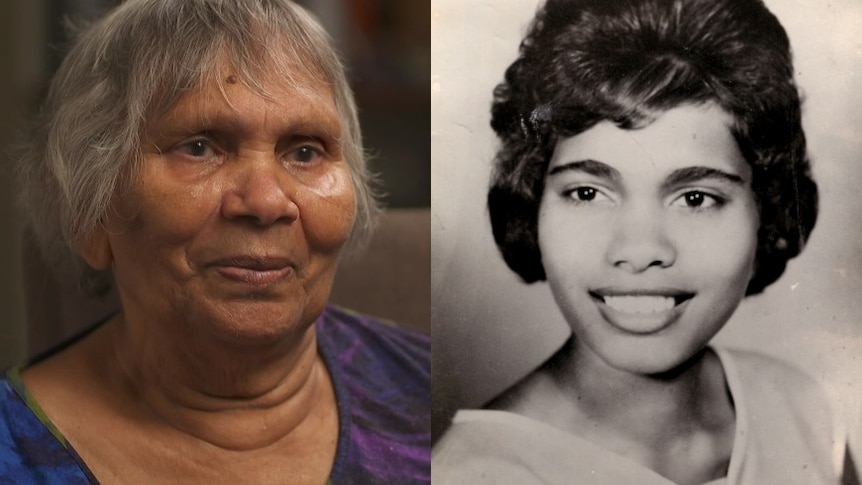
<point x="231" y="79"/>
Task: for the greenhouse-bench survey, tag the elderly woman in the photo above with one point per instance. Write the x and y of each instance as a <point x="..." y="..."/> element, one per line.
<point x="207" y="154"/>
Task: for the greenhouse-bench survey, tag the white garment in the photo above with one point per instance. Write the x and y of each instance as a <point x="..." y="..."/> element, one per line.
<point x="786" y="433"/>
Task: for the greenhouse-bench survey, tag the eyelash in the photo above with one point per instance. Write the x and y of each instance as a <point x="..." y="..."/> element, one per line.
<point x="196" y="143"/>
<point x="315" y="152"/>
<point x="304" y="154"/>
<point x="714" y="201"/>
<point x="574" y="194"/>
<point x="587" y="194"/>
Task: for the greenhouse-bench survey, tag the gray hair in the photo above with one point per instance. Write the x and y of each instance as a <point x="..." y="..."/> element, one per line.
<point x="134" y="64"/>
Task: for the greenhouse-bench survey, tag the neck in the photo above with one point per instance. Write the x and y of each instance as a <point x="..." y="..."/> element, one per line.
<point x="233" y="397"/>
<point x="648" y="408"/>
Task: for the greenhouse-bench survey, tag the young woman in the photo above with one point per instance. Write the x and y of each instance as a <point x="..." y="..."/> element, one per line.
<point x="653" y="170"/>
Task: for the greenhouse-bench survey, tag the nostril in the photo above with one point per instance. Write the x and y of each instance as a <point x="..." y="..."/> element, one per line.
<point x="637" y="254"/>
<point x="264" y="201"/>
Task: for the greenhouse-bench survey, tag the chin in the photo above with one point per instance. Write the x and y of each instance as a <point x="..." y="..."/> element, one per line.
<point x="659" y="360"/>
<point x="261" y="323"/>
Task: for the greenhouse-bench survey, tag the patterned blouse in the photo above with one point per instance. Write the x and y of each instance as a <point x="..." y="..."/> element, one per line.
<point x="381" y="375"/>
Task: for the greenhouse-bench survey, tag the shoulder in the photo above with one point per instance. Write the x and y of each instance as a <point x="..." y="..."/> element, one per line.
<point x="376" y="361"/>
<point x="382" y="378"/>
<point x="17" y="420"/>
<point x="9" y="409"/>
<point x="356" y="338"/>
<point x="481" y="434"/>
<point x="480" y="447"/>
<point x="778" y="403"/>
<point x="376" y="358"/>
<point x="764" y="379"/>
<point x="339" y="318"/>
<point x="766" y="372"/>
<point x="499" y="447"/>
<point x="29" y="452"/>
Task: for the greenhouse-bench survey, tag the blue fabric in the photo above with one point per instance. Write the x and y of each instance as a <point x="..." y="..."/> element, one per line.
<point x="382" y="380"/>
<point x="29" y="452"/>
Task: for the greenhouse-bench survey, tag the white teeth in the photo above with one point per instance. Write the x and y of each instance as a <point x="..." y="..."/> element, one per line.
<point x="641" y="305"/>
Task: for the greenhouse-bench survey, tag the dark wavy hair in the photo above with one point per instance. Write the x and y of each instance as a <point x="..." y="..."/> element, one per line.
<point x="628" y="61"/>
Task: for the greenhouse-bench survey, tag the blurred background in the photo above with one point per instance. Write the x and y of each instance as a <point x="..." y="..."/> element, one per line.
<point x="490" y="329"/>
<point x="385" y="45"/>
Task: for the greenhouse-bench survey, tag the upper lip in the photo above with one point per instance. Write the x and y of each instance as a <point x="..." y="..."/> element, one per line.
<point x="256" y="263"/>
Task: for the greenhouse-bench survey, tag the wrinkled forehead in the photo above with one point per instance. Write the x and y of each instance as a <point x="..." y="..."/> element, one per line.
<point x="286" y="82"/>
<point x="270" y="70"/>
<point x="228" y="100"/>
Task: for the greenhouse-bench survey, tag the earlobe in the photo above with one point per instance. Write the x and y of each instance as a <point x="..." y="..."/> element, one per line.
<point x="96" y="250"/>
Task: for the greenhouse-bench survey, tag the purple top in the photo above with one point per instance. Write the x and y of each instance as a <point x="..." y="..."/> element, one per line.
<point x="381" y="375"/>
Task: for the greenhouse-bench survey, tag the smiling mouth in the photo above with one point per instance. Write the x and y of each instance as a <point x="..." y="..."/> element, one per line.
<point x="254" y="277"/>
<point x="641" y="313"/>
<point x="640" y="305"/>
<point x="253" y="271"/>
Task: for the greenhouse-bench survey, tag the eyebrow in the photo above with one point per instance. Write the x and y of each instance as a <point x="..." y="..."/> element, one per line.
<point x="223" y="119"/>
<point x="590" y="167"/>
<point x="694" y="174"/>
<point x="677" y="177"/>
<point x="220" y="120"/>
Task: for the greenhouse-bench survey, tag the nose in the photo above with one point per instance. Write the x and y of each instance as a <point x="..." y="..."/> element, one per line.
<point x="641" y="241"/>
<point x="260" y="190"/>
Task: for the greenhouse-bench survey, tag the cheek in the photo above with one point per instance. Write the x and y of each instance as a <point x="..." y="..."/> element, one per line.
<point x="169" y="216"/>
<point x="726" y="252"/>
<point x="166" y="215"/>
<point x="328" y="210"/>
<point x="739" y="259"/>
<point x="154" y="221"/>
<point x="571" y="245"/>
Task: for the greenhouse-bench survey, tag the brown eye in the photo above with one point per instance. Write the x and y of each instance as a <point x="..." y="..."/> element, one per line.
<point x="306" y="154"/>
<point x="696" y="199"/>
<point x="196" y="149"/>
<point x="585" y="194"/>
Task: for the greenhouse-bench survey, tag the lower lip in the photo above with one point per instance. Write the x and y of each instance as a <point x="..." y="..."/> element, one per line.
<point x="641" y="323"/>
<point x="254" y="277"/>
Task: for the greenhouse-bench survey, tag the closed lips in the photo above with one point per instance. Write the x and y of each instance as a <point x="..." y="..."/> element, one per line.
<point x="259" y="272"/>
<point x="253" y="263"/>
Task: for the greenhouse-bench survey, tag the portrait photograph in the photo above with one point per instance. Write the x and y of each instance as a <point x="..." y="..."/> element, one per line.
<point x="646" y="213"/>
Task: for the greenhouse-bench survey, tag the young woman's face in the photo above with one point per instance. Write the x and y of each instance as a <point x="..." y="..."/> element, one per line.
<point x="648" y="236"/>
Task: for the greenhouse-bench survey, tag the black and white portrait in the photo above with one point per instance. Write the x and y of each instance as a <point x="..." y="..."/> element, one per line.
<point x="646" y="240"/>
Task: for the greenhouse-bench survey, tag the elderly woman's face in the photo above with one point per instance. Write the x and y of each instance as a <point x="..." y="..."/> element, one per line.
<point x="239" y="212"/>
